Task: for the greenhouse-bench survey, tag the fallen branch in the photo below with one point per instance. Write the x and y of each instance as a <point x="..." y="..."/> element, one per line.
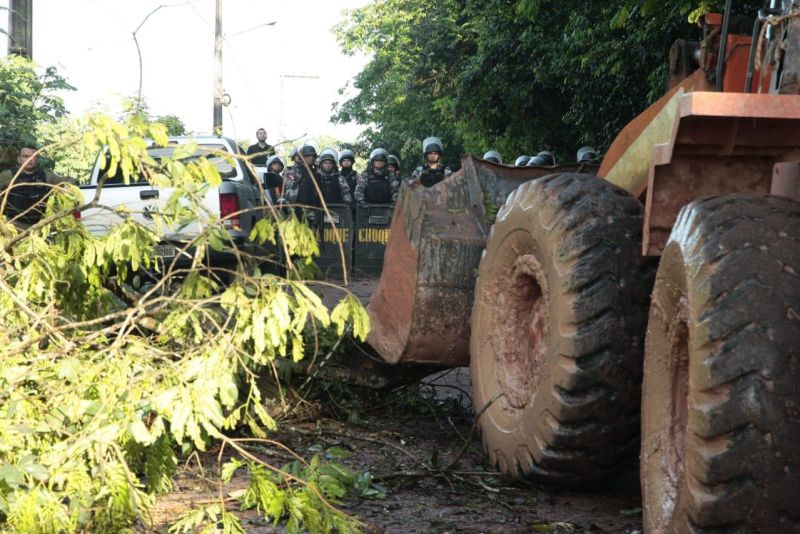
<point x="472" y="430"/>
<point x="348" y="435"/>
<point x="424" y="473"/>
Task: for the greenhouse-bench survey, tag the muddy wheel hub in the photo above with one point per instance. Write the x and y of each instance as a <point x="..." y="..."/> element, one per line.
<point x="521" y="319"/>
<point x="679" y="408"/>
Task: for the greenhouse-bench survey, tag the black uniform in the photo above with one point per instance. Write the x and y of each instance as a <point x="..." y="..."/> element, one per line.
<point x="429" y="177"/>
<point x="264" y="154"/>
<point x="377" y="187"/>
<point x="28" y="192"/>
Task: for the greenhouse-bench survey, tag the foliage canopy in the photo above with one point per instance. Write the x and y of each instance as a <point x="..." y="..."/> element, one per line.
<point x="102" y="385"/>
<point x="27" y="100"/>
<point x="519" y="76"/>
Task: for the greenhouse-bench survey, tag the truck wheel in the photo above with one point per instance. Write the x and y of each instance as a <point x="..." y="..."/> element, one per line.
<point x="558" y="329"/>
<point x="720" y="411"/>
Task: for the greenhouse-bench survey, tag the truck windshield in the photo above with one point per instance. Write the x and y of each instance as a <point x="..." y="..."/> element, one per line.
<point x="211" y="152"/>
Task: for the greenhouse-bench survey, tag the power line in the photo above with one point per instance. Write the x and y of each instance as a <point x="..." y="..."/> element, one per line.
<point x="273" y="23"/>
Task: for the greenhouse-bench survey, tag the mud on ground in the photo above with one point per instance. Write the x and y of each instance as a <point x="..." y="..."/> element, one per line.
<point x="410" y="434"/>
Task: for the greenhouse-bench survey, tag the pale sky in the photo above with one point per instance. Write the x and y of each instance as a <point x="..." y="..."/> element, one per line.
<point x="283" y="77"/>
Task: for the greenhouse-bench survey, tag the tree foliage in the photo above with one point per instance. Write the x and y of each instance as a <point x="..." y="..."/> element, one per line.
<point x="102" y="385"/>
<point x="516" y="75"/>
<point x="173" y="123"/>
<point x="69" y="155"/>
<point x="27" y="99"/>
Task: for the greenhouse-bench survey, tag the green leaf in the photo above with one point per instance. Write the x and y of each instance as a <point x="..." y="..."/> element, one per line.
<point x="37" y="471"/>
<point x="106" y="434"/>
<point x="229" y="469"/>
<point x="337" y="453"/>
<point x="215" y="242"/>
<point x="140" y="433"/>
<point x="11" y="475"/>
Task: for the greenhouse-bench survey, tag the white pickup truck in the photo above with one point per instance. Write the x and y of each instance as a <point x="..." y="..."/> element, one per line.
<point x="238" y="192"/>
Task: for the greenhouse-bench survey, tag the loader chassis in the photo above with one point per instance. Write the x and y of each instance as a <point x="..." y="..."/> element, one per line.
<point x="707" y="180"/>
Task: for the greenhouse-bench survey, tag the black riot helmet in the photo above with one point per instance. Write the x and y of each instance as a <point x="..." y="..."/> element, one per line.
<point x="432" y="144"/>
<point x="308" y="150"/>
<point x="545" y="158"/>
<point x="587" y="154"/>
<point x="394" y="160"/>
<point x="347" y="154"/>
<point x="328" y="154"/>
<point x="493" y="156"/>
<point x="379" y="154"/>
<point x="522" y="161"/>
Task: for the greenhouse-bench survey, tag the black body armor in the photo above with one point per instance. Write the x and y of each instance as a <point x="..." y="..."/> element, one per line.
<point x="431" y="177"/>
<point x="331" y="190"/>
<point x="378" y="190"/>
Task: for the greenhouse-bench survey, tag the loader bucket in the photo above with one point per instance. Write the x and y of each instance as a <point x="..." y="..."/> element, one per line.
<point x="420" y="310"/>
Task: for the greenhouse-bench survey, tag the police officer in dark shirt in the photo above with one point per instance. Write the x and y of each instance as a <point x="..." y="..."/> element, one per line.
<point x="261" y="149"/>
<point x="31" y="184"/>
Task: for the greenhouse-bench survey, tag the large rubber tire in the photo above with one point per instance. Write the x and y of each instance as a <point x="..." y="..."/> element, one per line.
<point x="558" y="329"/>
<point x="720" y="410"/>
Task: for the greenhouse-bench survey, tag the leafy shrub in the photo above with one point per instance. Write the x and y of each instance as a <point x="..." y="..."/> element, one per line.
<point x="101" y="384"/>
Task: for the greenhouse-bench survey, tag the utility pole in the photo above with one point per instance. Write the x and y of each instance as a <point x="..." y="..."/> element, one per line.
<point x="218" y="70"/>
<point x="20" y="24"/>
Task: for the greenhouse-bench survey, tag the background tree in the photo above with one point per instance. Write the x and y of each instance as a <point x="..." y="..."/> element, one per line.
<point x="103" y="386"/>
<point x="173" y="123"/>
<point x="27" y="100"/>
<point x="516" y="75"/>
<point x="71" y="158"/>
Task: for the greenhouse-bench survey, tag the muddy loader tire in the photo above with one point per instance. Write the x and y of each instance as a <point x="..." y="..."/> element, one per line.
<point x="558" y="329"/>
<point x="721" y="399"/>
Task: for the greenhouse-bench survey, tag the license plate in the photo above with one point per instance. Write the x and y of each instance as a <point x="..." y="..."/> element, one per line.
<point x="165" y="251"/>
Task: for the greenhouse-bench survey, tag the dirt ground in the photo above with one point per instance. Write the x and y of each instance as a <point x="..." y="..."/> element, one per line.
<point x="403" y="438"/>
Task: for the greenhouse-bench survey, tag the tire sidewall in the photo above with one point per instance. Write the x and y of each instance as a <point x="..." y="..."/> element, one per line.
<point x="661" y="486"/>
<point x="517" y="222"/>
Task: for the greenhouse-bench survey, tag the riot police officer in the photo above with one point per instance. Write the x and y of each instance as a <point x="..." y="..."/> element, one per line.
<point x="274" y="183"/>
<point x="300" y="183"/>
<point x="294" y="158"/>
<point x="394" y="166"/>
<point x="493" y="156"/>
<point x="347" y="159"/>
<point x="545" y="158"/>
<point x="377" y="185"/>
<point x="333" y="186"/>
<point x="432" y="171"/>
<point x="587" y="154"/>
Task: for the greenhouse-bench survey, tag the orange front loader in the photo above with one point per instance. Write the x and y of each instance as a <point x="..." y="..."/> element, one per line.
<point x="650" y="305"/>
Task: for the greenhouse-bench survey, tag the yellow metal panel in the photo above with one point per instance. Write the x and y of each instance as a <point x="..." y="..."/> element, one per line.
<point x="632" y="169"/>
